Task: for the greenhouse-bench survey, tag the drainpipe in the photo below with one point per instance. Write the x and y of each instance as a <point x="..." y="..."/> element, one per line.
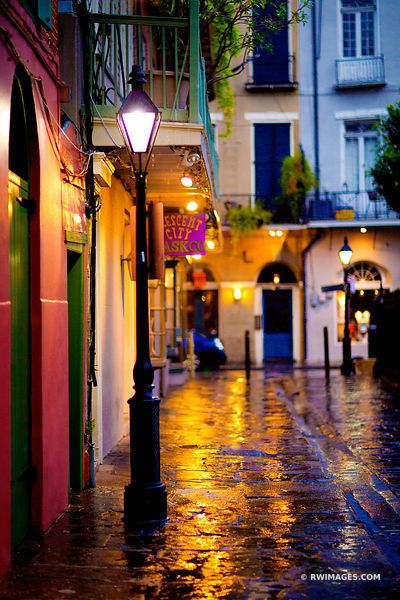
<point x="91" y="212"/>
<point x="315" y="52"/>
<point x="304" y="255"/>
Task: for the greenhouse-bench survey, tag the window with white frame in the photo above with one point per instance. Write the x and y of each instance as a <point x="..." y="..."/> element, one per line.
<point x="359" y="28"/>
<point x="361" y="144"/>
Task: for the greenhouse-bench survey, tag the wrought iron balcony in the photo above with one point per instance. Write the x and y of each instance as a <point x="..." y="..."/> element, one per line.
<point x="168" y="48"/>
<point x="327" y="206"/>
<point x="365" y="206"/>
<point x="355" y="72"/>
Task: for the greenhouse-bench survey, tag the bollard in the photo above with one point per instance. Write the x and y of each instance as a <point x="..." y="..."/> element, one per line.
<point x="191" y="353"/>
<point x="247" y="354"/>
<point x="326" y="354"/>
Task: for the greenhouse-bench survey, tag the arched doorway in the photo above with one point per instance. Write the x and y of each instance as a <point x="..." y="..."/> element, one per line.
<point x="22" y="147"/>
<point x="368" y="285"/>
<point x="276" y="280"/>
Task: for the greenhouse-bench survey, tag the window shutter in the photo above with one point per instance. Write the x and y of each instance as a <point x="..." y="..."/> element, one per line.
<point x="272" y="144"/>
<point x="272" y="67"/>
<point x="44" y="13"/>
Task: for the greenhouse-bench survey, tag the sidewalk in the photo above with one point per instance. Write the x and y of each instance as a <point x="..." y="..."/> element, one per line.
<point x="272" y="488"/>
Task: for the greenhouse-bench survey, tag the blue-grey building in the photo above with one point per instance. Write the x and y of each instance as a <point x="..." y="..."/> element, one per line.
<point x="349" y="72"/>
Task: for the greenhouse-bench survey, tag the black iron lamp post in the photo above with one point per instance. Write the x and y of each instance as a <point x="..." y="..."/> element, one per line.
<point x="347" y="367"/>
<point x="145" y="497"/>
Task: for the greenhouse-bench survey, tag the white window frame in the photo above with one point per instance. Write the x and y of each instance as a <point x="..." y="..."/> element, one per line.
<point x="346" y="116"/>
<point x="360" y="137"/>
<point x="377" y="40"/>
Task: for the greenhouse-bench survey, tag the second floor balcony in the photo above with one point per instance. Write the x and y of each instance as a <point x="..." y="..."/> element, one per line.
<point x="348" y="206"/>
<point x="366" y="206"/>
<point x="169" y="50"/>
<point x="360" y="72"/>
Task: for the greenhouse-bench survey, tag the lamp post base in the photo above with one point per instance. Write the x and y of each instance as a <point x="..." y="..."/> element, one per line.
<point x="145" y="505"/>
<point x="347" y="368"/>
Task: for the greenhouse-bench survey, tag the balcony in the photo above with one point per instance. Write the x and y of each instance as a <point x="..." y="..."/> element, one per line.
<point x="279" y="74"/>
<point x="360" y="72"/>
<point x="328" y="206"/>
<point x="348" y="206"/>
<point x="168" y="48"/>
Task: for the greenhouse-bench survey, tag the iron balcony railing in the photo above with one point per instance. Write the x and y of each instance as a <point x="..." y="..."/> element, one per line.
<point x="361" y="205"/>
<point x="325" y="206"/>
<point x="168" y="48"/>
<point x="352" y="72"/>
<point x="277" y="72"/>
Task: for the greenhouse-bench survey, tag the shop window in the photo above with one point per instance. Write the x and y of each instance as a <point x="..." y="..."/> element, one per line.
<point x="157" y="323"/>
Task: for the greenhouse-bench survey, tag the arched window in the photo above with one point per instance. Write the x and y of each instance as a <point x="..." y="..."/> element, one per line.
<point x="364" y="271"/>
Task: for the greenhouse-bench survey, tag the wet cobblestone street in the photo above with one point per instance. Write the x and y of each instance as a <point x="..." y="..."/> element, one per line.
<point x="272" y="487"/>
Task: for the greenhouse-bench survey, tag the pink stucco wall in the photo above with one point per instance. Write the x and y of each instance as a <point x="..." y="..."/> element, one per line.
<point x="50" y="434"/>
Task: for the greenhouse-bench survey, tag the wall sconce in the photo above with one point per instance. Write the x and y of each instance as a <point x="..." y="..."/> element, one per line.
<point x="276" y="279"/>
<point x="275" y="232"/>
<point x="186" y="181"/>
<point x="237" y="293"/>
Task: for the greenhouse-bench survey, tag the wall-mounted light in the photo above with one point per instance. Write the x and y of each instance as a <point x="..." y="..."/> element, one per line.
<point x="196" y="256"/>
<point x="363" y="229"/>
<point x="276" y="278"/>
<point x="192" y="205"/>
<point x="210" y="244"/>
<point x="279" y="233"/>
<point x="237" y="293"/>
<point x="186" y="181"/>
<point x="272" y="232"/>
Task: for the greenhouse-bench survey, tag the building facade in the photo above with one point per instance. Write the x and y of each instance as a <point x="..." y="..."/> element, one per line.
<point x="42" y="262"/>
<point x="349" y="73"/>
<point x="266" y="265"/>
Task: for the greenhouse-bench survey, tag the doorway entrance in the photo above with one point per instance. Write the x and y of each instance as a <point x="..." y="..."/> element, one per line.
<point x="277" y="319"/>
<point x="21" y="464"/>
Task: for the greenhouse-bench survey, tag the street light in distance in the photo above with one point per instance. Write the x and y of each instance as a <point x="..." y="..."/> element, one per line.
<point x="345" y="254"/>
<point x="145" y="497"/>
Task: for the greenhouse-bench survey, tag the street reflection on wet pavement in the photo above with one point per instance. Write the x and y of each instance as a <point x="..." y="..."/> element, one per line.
<point x="287" y="487"/>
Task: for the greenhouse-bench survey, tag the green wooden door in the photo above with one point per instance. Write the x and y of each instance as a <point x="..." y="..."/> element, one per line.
<point x="21" y="471"/>
<point x="75" y="364"/>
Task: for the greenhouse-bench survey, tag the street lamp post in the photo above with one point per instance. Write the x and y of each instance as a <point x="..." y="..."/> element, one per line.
<point x="145" y="498"/>
<point x="347" y="367"/>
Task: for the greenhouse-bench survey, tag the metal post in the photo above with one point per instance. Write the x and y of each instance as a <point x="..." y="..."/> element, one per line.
<point x="326" y="354"/>
<point x="191" y="353"/>
<point x="145" y="498"/>
<point x="247" y="354"/>
<point x="347" y="367"/>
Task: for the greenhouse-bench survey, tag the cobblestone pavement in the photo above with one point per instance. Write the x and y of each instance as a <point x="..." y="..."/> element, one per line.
<point x="285" y="488"/>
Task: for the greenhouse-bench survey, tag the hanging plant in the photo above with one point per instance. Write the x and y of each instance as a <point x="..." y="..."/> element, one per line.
<point x="243" y="220"/>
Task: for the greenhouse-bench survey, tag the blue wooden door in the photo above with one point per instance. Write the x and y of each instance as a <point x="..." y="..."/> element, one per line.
<point x="277" y="318"/>
<point x="272" y="66"/>
<point x="271" y="145"/>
